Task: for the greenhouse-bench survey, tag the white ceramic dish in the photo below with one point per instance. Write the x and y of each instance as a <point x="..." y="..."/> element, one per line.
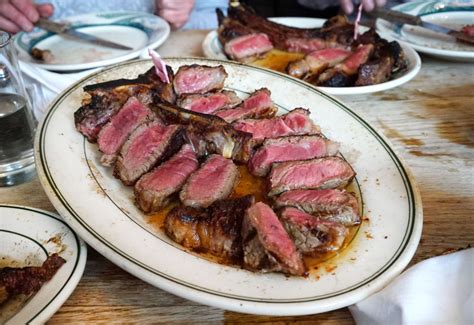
<point x="137" y="30"/>
<point x="453" y="15"/>
<point x="212" y="48"/>
<point x="69" y="170"/>
<point x="27" y="236"/>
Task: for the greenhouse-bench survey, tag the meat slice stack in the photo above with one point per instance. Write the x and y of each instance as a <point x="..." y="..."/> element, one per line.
<point x="212" y="182"/>
<point x="154" y="189"/>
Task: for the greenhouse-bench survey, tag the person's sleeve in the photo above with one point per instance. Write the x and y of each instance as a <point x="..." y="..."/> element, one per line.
<point x="204" y="16"/>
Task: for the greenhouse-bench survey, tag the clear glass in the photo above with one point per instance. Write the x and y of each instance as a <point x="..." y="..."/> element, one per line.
<point x="17" y="124"/>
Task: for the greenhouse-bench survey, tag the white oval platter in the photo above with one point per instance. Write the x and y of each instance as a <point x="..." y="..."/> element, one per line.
<point x="27" y="237"/>
<point x="102" y="211"/>
<point x="212" y="48"/>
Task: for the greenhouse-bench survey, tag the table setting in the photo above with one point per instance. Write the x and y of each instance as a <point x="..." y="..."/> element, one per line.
<point x="404" y="137"/>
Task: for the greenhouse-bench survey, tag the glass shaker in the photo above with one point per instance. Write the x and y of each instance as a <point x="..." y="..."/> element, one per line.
<point x="17" y="124"/>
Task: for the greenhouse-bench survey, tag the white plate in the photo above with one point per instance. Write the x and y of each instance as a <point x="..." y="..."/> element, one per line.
<point x="102" y="211"/>
<point x="212" y="48"/>
<point x="28" y="235"/>
<point x="454" y="16"/>
<point x="134" y="29"/>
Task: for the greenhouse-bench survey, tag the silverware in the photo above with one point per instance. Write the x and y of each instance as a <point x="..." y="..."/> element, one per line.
<point x="66" y="30"/>
<point x="400" y="17"/>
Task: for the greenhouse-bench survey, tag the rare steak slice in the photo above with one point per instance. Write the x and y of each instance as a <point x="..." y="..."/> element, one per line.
<point x="150" y="144"/>
<point x="267" y="247"/>
<point x="258" y="105"/>
<point x="295" y="122"/>
<point x="330" y="204"/>
<point x="212" y="182"/>
<point x="116" y="131"/>
<point x="153" y="189"/>
<point x="299" y="147"/>
<point x="216" y="229"/>
<point x="311" y="234"/>
<point x="209" y="102"/>
<point x="248" y="46"/>
<point x="199" y="79"/>
<point x="322" y="173"/>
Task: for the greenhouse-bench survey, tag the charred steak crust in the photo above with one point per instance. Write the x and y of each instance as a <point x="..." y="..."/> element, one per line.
<point x="216" y="229"/>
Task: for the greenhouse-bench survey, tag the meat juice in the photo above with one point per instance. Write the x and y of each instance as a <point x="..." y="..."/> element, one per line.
<point x="278" y="60"/>
<point x="16" y="129"/>
<point x="253" y="185"/>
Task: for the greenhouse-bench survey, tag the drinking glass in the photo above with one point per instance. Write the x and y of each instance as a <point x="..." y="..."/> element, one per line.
<point x="17" y="124"/>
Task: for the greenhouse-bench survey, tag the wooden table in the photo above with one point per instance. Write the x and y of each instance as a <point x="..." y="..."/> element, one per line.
<point x="430" y="122"/>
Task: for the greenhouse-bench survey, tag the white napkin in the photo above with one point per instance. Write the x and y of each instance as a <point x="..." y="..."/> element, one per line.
<point x="43" y="85"/>
<point x="439" y="290"/>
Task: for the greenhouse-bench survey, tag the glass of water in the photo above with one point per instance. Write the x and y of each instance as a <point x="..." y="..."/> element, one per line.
<point x="17" y="124"/>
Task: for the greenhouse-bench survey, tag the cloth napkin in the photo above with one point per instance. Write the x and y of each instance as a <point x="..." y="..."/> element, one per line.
<point x="43" y="85"/>
<point x="439" y="290"/>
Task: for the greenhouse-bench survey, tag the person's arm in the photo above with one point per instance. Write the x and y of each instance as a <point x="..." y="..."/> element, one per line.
<point x="18" y="15"/>
<point x="369" y="5"/>
<point x="175" y="12"/>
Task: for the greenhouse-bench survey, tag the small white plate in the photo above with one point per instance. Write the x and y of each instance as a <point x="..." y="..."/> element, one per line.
<point x="454" y="15"/>
<point x="134" y="29"/>
<point x="27" y="237"/>
<point x="212" y="48"/>
<point x="69" y="169"/>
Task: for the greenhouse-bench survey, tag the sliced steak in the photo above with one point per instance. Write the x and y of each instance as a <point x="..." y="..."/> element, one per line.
<point x="112" y="136"/>
<point x="150" y="144"/>
<point x="266" y="245"/>
<point x="212" y="182"/>
<point x="216" y="229"/>
<point x="248" y="46"/>
<point x="295" y="122"/>
<point x="258" y="105"/>
<point x="312" y="235"/>
<point x="322" y="173"/>
<point x="330" y="204"/>
<point x="290" y="148"/>
<point x="305" y="45"/>
<point x="210" y="102"/>
<point x="153" y="189"/>
<point x="316" y="62"/>
<point x="106" y="98"/>
<point x="199" y="79"/>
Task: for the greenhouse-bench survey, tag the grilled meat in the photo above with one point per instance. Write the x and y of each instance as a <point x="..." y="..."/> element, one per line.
<point x="150" y="144"/>
<point x="258" y="105"/>
<point x="289" y="149"/>
<point x="209" y="102"/>
<point x="212" y="182"/>
<point x="153" y="190"/>
<point x="312" y="235"/>
<point x="266" y="245"/>
<point x="330" y="204"/>
<point x="198" y="79"/>
<point x="322" y="173"/>
<point x="112" y="136"/>
<point x="249" y="45"/>
<point x="216" y="229"/>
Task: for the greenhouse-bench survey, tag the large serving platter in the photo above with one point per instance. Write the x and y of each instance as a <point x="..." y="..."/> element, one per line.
<point x="101" y="209"/>
<point x="212" y="48"/>
<point x="137" y="30"/>
<point x="27" y="237"/>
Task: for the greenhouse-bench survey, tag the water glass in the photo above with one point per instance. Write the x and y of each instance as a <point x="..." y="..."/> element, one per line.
<point x="17" y="123"/>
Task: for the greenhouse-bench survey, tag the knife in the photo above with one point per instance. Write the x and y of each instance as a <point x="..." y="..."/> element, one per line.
<point x="65" y="29"/>
<point x="400" y="17"/>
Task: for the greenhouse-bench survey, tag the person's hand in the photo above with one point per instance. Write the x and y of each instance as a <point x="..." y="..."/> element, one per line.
<point x="369" y="5"/>
<point x="18" y="15"/>
<point x="175" y="12"/>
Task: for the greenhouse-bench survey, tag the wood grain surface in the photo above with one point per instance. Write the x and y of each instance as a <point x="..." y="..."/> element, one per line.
<point x="430" y="122"/>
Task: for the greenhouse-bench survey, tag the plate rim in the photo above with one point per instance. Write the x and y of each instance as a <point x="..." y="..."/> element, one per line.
<point x="443" y="53"/>
<point x="266" y="308"/>
<point x="101" y="63"/>
<point x="360" y="90"/>
<point x="49" y="308"/>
